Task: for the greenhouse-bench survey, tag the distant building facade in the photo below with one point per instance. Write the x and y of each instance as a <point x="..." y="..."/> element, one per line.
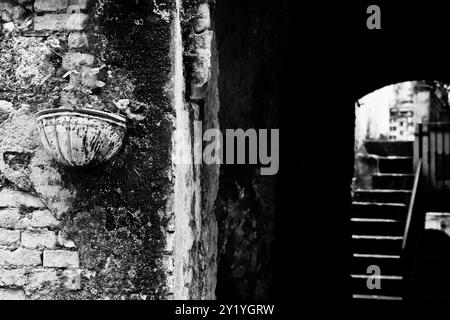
<point x="401" y="113"/>
<point x="401" y="126"/>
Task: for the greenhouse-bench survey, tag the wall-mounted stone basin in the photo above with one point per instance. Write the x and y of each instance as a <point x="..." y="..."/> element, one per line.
<point x="81" y="137"/>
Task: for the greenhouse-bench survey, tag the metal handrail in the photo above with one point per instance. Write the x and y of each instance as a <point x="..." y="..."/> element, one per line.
<point x="411" y="203"/>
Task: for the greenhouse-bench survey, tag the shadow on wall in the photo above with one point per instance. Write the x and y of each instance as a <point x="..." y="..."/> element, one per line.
<point x="251" y="43"/>
<point x="433" y="277"/>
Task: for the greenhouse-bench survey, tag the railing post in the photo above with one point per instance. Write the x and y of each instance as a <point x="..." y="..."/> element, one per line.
<point x="417" y="145"/>
<point x="411" y="204"/>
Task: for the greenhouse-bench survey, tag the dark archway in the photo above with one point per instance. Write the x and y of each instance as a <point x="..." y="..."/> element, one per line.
<point x="340" y="61"/>
<point x="251" y="41"/>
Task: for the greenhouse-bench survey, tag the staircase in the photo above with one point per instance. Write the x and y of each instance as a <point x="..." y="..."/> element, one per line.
<point x="378" y="222"/>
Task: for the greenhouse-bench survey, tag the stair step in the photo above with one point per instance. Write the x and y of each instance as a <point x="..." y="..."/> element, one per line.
<point x="357" y="236"/>
<point x="393" y="181"/>
<point x="378" y="210"/>
<point x="376" y="256"/>
<point x="375" y="220"/>
<point x="377" y="297"/>
<point x="389" y="285"/>
<point x="382" y="196"/>
<point x="395" y="165"/>
<point x="389" y="264"/>
<point x="377" y="244"/>
<point x="381" y="277"/>
<point x="389" y="148"/>
<point x="374" y="226"/>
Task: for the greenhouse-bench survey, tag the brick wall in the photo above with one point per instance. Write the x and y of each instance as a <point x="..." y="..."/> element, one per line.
<point x="36" y="258"/>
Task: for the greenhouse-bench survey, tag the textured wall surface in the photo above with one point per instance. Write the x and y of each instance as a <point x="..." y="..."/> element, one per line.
<point x="37" y="259"/>
<point x="138" y="226"/>
<point x="196" y="227"/>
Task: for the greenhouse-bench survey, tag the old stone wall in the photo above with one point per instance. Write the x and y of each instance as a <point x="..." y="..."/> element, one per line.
<point x="36" y="257"/>
<point x="139" y="226"/>
<point x="114" y="215"/>
<point x="196" y="232"/>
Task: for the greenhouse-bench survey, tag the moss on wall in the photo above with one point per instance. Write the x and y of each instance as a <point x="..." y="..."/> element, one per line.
<point x="118" y="220"/>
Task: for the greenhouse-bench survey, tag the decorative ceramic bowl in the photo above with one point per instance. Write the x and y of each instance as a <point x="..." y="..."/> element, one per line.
<point x="79" y="137"/>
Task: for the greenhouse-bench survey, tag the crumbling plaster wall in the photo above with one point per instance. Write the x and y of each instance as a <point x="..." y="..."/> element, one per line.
<point x="139" y="226"/>
<point x="195" y="248"/>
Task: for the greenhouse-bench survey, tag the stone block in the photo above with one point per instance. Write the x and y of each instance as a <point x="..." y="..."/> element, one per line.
<point x="9" y="237"/>
<point x="61" y="259"/>
<point x="82" y="4"/>
<point x="38" y="239"/>
<point x="6" y="106"/>
<point x="9" y="217"/>
<point x="40" y="278"/>
<point x="77" y="40"/>
<point x="43" y="219"/>
<point x="17" y="199"/>
<point x="72" y="279"/>
<point x="66" y="21"/>
<point x="50" y="5"/>
<point x="20" y="257"/>
<point x="72" y="59"/>
<point x="203" y="21"/>
<point x="12" y="278"/>
<point x="12" y="294"/>
<point x="24" y="2"/>
<point x="63" y="241"/>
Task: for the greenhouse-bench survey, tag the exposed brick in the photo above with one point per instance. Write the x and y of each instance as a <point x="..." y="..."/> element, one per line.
<point x="42" y="277"/>
<point x="66" y="21"/>
<point x="12" y="278"/>
<point x="6" y="106"/>
<point x="82" y="4"/>
<point x="38" y="219"/>
<point x="8" y="27"/>
<point x="50" y="5"/>
<point x="203" y="20"/>
<point x="63" y="241"/>
<point x="23" y="223"/>
<point x="9" y="217"/>
<point x="61" y="259"/>
<point x="20" y="257"/>
<point x="73" y="59"/>
<point x="76" y="21"/>
<point x="8" y="237"/>
<point x="12" y="294"/>
<point x="13" y="198"/>
<point x="43" y="219"/>
<point x="38" y="239"/>
<point x="72" y="279"/>
<point x="77" y="40"/>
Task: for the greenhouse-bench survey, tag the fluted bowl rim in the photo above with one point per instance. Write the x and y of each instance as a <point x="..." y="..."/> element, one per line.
<point x="102" y="115"/>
